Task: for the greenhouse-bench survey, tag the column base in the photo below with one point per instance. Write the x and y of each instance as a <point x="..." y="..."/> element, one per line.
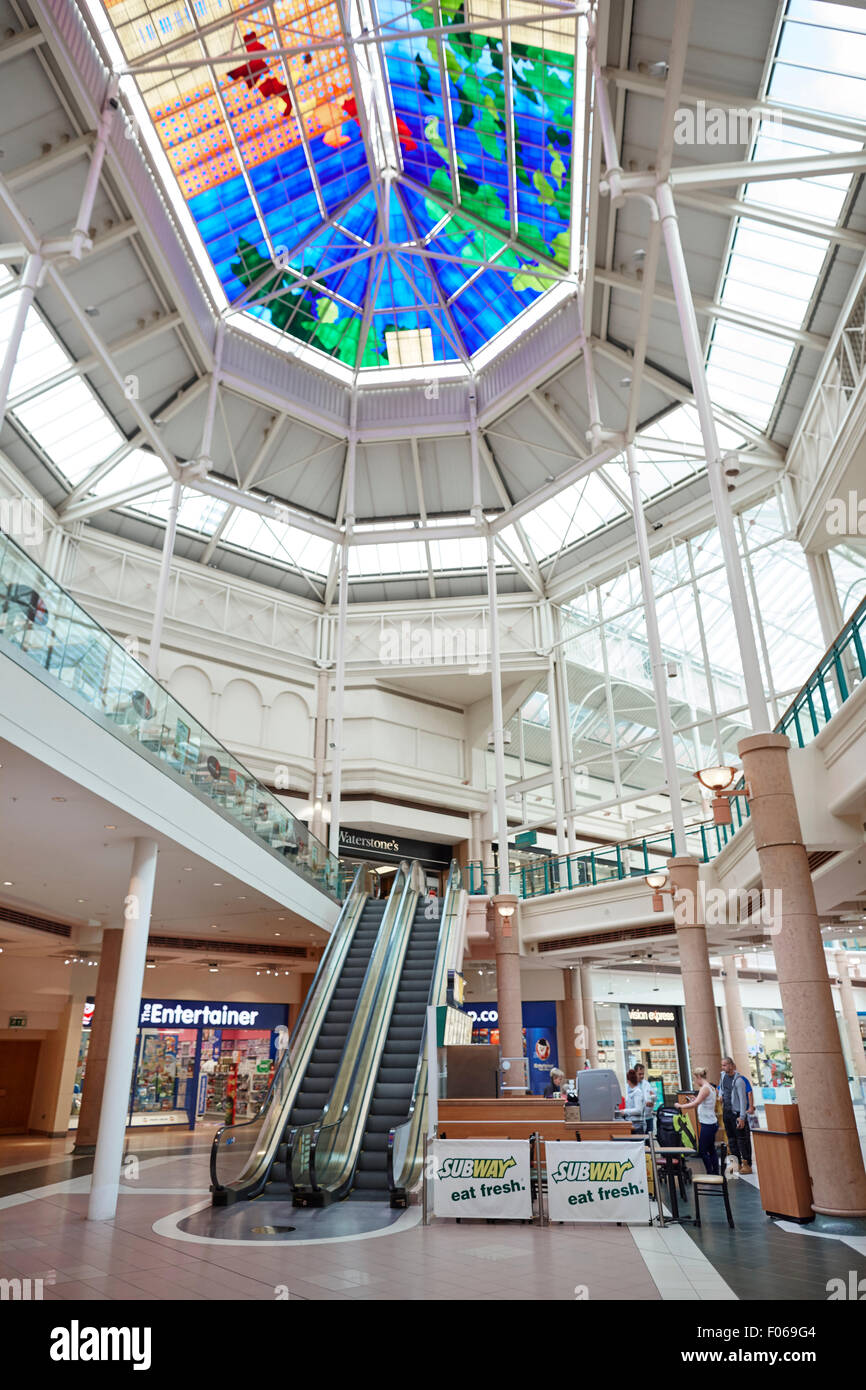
<point x="839" y="1223"/>
<point x="87" y="1150"/>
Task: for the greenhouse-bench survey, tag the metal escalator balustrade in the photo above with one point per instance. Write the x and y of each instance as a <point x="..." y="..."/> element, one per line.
<point x="334" y="1143"/>
<point x="243" y="1154"/>
<point x="45" y="631"/>
<point x="314" y="1093"/>
<point x="327" y="1096"/>
<point x="405" y="1138"/>
<point x="392" y="1092"/>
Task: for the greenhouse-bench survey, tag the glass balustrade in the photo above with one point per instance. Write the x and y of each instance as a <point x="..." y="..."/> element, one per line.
<point x="43" y="627"/>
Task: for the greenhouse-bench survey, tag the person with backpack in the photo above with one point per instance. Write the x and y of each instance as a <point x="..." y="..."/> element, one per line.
<point x="735" y="1114"/>
<point x="705" y="1104"/>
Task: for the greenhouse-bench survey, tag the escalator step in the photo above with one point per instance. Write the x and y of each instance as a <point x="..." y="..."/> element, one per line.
<point x="372" y="1163"/>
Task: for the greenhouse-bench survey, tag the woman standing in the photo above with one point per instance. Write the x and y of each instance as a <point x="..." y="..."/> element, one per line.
<point x="705" y="1104"/>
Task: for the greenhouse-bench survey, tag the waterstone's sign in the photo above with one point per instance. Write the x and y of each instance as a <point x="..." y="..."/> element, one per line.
<point x="481" y="1178"/>
<point x="597" y="1182"/>
<point x="368" y="841"/>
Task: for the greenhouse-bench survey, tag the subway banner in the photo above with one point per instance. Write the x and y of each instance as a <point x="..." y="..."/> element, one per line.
<point x="480" y="1178"/>
<point x="596" y="1182"/>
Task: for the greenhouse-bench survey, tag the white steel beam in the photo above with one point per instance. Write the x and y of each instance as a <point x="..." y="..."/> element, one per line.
<point x="756" y="323"/>
<point x="22" y="42"/>
<point x="773" y="217"/>
<point x="56" y="158"/>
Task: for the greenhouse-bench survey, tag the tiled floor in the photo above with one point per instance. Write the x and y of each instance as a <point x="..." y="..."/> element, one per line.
<point x="154" y="1250"/>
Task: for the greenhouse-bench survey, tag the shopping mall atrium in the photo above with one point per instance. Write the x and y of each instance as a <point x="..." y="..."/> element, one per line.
<point x="433" y="652"/>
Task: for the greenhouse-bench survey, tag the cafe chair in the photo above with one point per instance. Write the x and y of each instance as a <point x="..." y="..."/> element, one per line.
<point x="713" y="1185"/>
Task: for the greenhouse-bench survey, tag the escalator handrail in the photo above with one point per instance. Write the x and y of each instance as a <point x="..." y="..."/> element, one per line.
<point x="353" y="904"/>
<point x="391" y="914"/>
<point x="398" y="941"/>
<point x="453" y="888"/>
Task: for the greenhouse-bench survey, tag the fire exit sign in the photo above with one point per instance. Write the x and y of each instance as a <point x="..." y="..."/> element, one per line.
<point x="17" y="1020"/>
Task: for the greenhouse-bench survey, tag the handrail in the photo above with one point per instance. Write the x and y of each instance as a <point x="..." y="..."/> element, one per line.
<point x="359" y="1090"/>
<point x="849" y="643"/>
<point x="303" y="1136"/>
<point x="258" y="1160"/>
<point x="406" y="1150"/>
<point x="42" y="622"/>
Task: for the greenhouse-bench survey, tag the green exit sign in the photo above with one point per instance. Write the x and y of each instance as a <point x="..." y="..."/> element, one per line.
<point x="17" y="1020"/>
<point x="527" y="838"/>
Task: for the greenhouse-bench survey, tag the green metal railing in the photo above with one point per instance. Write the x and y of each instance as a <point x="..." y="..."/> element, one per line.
<point x="42" y="626"/>
<point x="838" y="673"/>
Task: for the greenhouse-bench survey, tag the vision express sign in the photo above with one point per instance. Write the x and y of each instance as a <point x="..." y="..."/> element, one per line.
<point x="481" y="1178"/>
<point x="596" y="1182"/>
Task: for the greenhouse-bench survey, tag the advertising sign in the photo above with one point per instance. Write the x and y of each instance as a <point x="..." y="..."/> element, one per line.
<point x="597" y="1182"/>
<point x="481" y="1178"/>
<point x="541" y="1051"/>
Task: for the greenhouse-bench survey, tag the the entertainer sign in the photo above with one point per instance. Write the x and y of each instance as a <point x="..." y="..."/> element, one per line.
<point x="481" y="1178"/>
<point x="597" y="1182"/>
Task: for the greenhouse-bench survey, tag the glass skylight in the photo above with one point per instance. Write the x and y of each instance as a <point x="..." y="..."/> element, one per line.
<point x="771" y="273"/>
<point x="358" y="181"/>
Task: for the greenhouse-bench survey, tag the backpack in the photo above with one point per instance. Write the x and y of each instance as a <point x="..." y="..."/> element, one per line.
<point x="667" y="1128"/>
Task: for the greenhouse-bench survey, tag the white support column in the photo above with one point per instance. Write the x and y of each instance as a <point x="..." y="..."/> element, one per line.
<point x="162" y="582"/>
<point x="27" y="287"/>
<point x="81" y="230"/>
<point x="659" y="672"/>
<point x="565" y="737"/>
<point x="124" y="1024"/>
<point x="752" y="678"/>
<point x="342" y="613"/>
<point x="320" y="753"/>
<point x="555" y="754"/>
<point x="826" y="595"/>
<point x="503" y="879"/>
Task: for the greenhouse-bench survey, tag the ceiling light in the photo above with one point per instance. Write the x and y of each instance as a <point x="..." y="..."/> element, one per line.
<point x="109" y="827"/>
<point x="151" y="964"/>
<point x="187" y="868"/>
<point x="213" y="967"/>
<point x="217" y="885"/>
<point x="276" y="933"/>
<point x="91" y="311"/>
<point x="657" y="879"/>
<point x="7" y="883"/>
<point x="58" y="798"/>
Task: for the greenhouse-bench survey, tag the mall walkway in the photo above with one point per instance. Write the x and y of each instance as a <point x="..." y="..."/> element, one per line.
<point x="168" y="1243"/>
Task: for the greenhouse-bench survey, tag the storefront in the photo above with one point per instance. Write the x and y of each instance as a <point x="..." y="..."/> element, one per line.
<point x="539" y="1036"/>
<point x="767" y="1042"/>
<point x="196" y="1059"/>
<point x="385" y="852"/>
<point x="650" y="1034"/>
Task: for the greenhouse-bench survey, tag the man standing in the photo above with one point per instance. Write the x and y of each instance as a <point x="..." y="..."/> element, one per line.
<point x="735" y="1110"/>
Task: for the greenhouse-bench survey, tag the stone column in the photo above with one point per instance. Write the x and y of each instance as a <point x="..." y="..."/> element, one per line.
<point x="849" y="1013"/>
<point x="702" y="1027"/>
<point x="573" y="1025"/>
<point x="734" y="1015"/>
<point x="508" y="1000"/>
<point x="820" y="1076"/>
<point x="97" y="1048"/>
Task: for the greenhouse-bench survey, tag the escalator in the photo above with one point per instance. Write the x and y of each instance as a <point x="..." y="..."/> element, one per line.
<point x="243" y="1155"/>
<point x="315" y="1089"/>
<point x="392" y="1094"/>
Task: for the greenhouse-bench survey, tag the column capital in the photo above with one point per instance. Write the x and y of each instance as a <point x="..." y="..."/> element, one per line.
<point x="756" y="741"/>
<point x="683" y="861"/>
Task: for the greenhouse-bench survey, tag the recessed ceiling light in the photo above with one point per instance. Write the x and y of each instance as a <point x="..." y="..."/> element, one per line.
<point x="81" y="900"/>
<point x="276" y="933"/>
<point x="217" y="885"/>
<point x="242" y="897"/>
<point x="213" y="926"/>
<point x="109" y="827"/>
<point x="7" y="883"/>
<point x="58" y="798"/>
<point x="187" y="868"/>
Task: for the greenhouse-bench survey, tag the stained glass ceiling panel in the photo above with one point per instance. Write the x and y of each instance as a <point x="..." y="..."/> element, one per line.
<point x="385" y="182"/>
